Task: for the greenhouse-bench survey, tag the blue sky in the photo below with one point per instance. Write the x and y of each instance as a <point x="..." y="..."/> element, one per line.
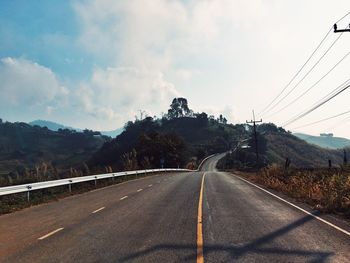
<point x="95" y="64"/>
<point x="44" y="32"/>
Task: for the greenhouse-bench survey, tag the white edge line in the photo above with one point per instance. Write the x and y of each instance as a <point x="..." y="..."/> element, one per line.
<point x="51" y="233"/>
<point x="124" y="197"/>
<point x="139" y="190"/>
<point x="295" y="206"/>
<point x="98" y="210"/>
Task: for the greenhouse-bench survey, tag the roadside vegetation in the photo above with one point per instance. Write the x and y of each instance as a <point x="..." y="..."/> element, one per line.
<point x="326" y="190"/>
<point x="311" y="174"/>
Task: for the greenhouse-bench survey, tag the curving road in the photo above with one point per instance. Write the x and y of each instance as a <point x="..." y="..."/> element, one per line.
<point x="155" y="219"/>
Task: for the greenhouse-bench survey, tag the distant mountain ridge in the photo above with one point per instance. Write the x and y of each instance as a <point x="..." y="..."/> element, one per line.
<point x="324" y="141"/>
<point x="54" y="126"/>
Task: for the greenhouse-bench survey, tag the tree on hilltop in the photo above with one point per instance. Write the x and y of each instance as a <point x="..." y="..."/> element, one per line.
<point x="179" y="108"/>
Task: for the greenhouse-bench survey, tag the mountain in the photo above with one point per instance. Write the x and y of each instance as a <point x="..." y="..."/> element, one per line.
<point x="113" y="133"/>
<point x="325" y="141"/>
<point x="53" y="126"/>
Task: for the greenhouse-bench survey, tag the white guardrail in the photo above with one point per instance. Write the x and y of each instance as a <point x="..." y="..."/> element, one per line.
<point x="22" y="188"/>
<point x="14" y="189"/>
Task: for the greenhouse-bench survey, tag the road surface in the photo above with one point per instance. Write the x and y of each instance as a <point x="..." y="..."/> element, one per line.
<point x="165" y="218"/>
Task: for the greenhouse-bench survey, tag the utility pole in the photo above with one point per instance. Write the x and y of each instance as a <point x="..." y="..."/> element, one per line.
<point x="255" y="135"/>
<point x="336" y="30"/>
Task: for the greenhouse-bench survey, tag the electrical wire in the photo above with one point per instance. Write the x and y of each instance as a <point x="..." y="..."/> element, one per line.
<point x="329" y="97"/>
<point x="311" y="87"/>
<point x="302" y="79"/>
<point x="339" y="123"/>
<point x="267" y="108"/>
<point x="298" y="72"/>
<point x="325" y="119"/>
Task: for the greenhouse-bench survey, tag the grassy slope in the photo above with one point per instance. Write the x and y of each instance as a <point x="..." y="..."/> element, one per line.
<point x="302" y="154"/>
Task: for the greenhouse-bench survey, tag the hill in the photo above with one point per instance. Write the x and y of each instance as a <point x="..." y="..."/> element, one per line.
<point x="23" y="146"/>
<point x="325" y="142"/>
<point x="203" y="135"/>
<point x="53" y="126"/>
<point x="275" y="145"/>
<point x="191" y="137"/>
<point x="301" y="153"/>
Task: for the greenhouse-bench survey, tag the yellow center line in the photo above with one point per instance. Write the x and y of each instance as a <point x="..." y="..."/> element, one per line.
<point x="200" y="258"/>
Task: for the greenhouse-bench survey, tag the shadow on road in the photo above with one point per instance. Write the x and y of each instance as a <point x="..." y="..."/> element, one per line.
<point x="259" y="247"/>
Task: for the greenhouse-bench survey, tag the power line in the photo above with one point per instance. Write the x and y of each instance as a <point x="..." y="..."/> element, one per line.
<point x="325" y="119"/>
<point x="302" y="67"/>
<point x="341" y="86"/>
<point x="339" y="123"/>
<point x="311" y="87"/>
<point x="324" y="100"/>
<point x="329" y="97"/>
<point x="302" y="79"/>
<point x="296" y="74"/>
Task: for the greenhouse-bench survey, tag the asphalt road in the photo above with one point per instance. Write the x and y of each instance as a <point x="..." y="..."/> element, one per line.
<point x="155" y="219"/>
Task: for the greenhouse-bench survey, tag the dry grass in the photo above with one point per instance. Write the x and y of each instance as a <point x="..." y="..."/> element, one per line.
<point x="327" y="190"/>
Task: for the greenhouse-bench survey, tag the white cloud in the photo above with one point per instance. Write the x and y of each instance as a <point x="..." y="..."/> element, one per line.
<point x="229" y="112"/>
<point x="144" y="42"/>
<point x="116" y="94"/>
<point x="27" y="84"/>
<point x="213" y="52"/>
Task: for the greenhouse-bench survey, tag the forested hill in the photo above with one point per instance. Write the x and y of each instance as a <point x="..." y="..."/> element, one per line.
<point x="23" y="146"/>
<point x="181" y="137"/>
<point x="177" y="141"/>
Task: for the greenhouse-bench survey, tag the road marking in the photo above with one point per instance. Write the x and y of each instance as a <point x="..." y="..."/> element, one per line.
<point x="295" y="206"/>
<point x="200" y="258"/>
<point x="124" y="197"/>
<point x="98" y="210"/>
<point x="51" y="233"/>
<point x="139" y="190"/>
<point x="150" y="185"/>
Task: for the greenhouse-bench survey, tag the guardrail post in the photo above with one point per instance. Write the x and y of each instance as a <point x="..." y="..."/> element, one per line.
<point x="70" y="186"/>
<point x="28" y="193"/>
<point x="113" y="177"/>
<point x="95" y="181"/>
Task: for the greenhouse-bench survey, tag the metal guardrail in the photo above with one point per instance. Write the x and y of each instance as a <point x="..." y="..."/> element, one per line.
<point x="14" y="189"/>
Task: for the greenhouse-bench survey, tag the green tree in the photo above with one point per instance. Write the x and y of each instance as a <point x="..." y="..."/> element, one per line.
<point x="154" y="147"/>
<point x="179" y="108"/>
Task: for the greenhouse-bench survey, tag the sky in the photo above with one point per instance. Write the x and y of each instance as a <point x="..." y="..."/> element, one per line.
<point x="97" y="64"/>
